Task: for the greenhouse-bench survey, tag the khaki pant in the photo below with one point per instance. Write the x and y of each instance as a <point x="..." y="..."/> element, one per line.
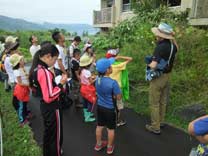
<point x="158" y="98"/>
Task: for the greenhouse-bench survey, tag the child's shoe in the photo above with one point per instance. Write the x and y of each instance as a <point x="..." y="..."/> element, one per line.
<point x="91" y="114"/>
<point x="85" y="112"/>
<point x="99" y="147"/>
<point x="26" y="122"/>
<point x="110" y="149"/>
<point x="121" y="123"/>
<point x="29" y="115"/>
<point x="88" y="117"/>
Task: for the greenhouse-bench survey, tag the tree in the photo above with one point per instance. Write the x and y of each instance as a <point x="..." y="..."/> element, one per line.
<point x="74" y="34"/>
<point x="146" y="5"/>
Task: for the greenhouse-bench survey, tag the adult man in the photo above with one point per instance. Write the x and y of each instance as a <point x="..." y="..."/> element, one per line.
<point x="34" y="45"/>
<point x="159" y="86"/>
<point x="74" y="45"/>
<point x="61" y="63"/>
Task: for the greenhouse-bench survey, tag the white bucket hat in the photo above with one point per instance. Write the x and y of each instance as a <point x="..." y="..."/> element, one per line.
<point x="86" y="46"/>
<point x="15" y="59"/>
<point x="85" y="61"/>
<point x="164" y="30"/>
<point x="11" y="39"/>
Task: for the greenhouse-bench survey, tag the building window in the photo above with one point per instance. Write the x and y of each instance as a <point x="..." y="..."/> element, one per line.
<point x="173" y="3"/>
<point x="126" y="5"/>
<point x="110" y="3"/>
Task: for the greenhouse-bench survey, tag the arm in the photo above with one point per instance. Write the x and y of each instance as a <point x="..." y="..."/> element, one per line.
<point x="117" y="91"/>
<point x="71" y="51"/>
<point x="118" y="97"/>
<point x="45" y="80"/>
<point x="153" y="64"/>
<point x="128" y="59"/>
<point x="176" y="44"/>
<point x="19" y="81"/>
<point x="61" y="66"/>
<point x="77" y="74"/>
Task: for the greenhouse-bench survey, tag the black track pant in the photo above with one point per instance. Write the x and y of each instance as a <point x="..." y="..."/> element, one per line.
<point x="53" y="131"/>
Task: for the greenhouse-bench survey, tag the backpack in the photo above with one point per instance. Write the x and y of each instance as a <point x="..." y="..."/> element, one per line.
<point x="36" y="90"/>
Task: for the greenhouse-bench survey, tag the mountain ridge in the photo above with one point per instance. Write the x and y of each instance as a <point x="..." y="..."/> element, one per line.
<point x="14" y="24"/>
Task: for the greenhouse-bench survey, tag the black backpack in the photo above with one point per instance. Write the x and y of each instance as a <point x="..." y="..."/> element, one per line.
<point x="36" y="90"/>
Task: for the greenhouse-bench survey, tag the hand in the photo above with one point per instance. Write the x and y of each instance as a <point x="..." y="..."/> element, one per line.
<point x="63" y="79"/>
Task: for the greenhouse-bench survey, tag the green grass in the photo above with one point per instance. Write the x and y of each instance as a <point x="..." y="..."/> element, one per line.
<point x="188" y="78"/>
<point x="17" y="141"/>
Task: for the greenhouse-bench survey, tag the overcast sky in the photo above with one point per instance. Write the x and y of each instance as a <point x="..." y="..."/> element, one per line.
<point x="56" y="11"/>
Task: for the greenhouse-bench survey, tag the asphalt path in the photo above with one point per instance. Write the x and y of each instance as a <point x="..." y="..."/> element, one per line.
<point x="131" y="139"/>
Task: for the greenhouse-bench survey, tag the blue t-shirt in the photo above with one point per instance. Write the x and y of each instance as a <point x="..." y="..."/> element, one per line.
<point x="106" y="88"/>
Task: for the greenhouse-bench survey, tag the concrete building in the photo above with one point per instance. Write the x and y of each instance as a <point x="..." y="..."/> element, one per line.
<point x="113" y="12"/>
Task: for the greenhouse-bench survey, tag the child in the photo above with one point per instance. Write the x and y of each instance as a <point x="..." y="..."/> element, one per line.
<point x="21" y="89"/>
<point x="49" y="105"/>
<point x="199" y="129"/>
<point x="108" y="92"/>
<point x="74" y="45"/>
<point x="75" y="77"/>
<point x="87" y="88"/>
<point x="120" y="74"/>
<point x="88" y="51"/>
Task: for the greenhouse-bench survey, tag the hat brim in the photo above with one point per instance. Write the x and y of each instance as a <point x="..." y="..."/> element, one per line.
<point x="86" y="63"/>
<point x="111" y="60"/>
<point x="18" y="60"/>
<point x="12" y="47"/>
<point x="86" y="48"/>
<point x="156" y="32"/>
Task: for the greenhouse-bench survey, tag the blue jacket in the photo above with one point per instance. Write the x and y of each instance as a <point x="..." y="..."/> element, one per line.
<point x="152" y="73"/>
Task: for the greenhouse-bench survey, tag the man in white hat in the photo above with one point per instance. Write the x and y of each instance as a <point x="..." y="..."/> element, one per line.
<point x="159" y="86"/>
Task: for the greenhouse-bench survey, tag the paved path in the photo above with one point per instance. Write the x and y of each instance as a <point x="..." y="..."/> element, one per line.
<point x="131" y="140"/>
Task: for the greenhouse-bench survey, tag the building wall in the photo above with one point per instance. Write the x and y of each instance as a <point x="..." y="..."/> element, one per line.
<point x="119" y="16"/>
<point x="186" y="4"/>
<point x="118" y="7"/>
<point x="103" y="4"/>
<point x="126" y="15"/>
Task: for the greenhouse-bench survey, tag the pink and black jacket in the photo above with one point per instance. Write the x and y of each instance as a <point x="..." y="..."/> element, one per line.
<point x="50" y="90"/>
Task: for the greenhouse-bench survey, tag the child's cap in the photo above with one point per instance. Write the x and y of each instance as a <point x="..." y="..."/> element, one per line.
<point x="103" y="64"/>
<point x="86" y="46"/>
<point x="112" y="53"/>
<point x="15" y="59"/>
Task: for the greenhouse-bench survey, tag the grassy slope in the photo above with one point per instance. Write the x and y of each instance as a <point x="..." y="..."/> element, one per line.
<point x="189" y="77"/>
<point x="17" y="141"/>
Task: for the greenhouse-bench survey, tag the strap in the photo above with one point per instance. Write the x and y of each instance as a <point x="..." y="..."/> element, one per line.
<point x="171" y="53"/>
